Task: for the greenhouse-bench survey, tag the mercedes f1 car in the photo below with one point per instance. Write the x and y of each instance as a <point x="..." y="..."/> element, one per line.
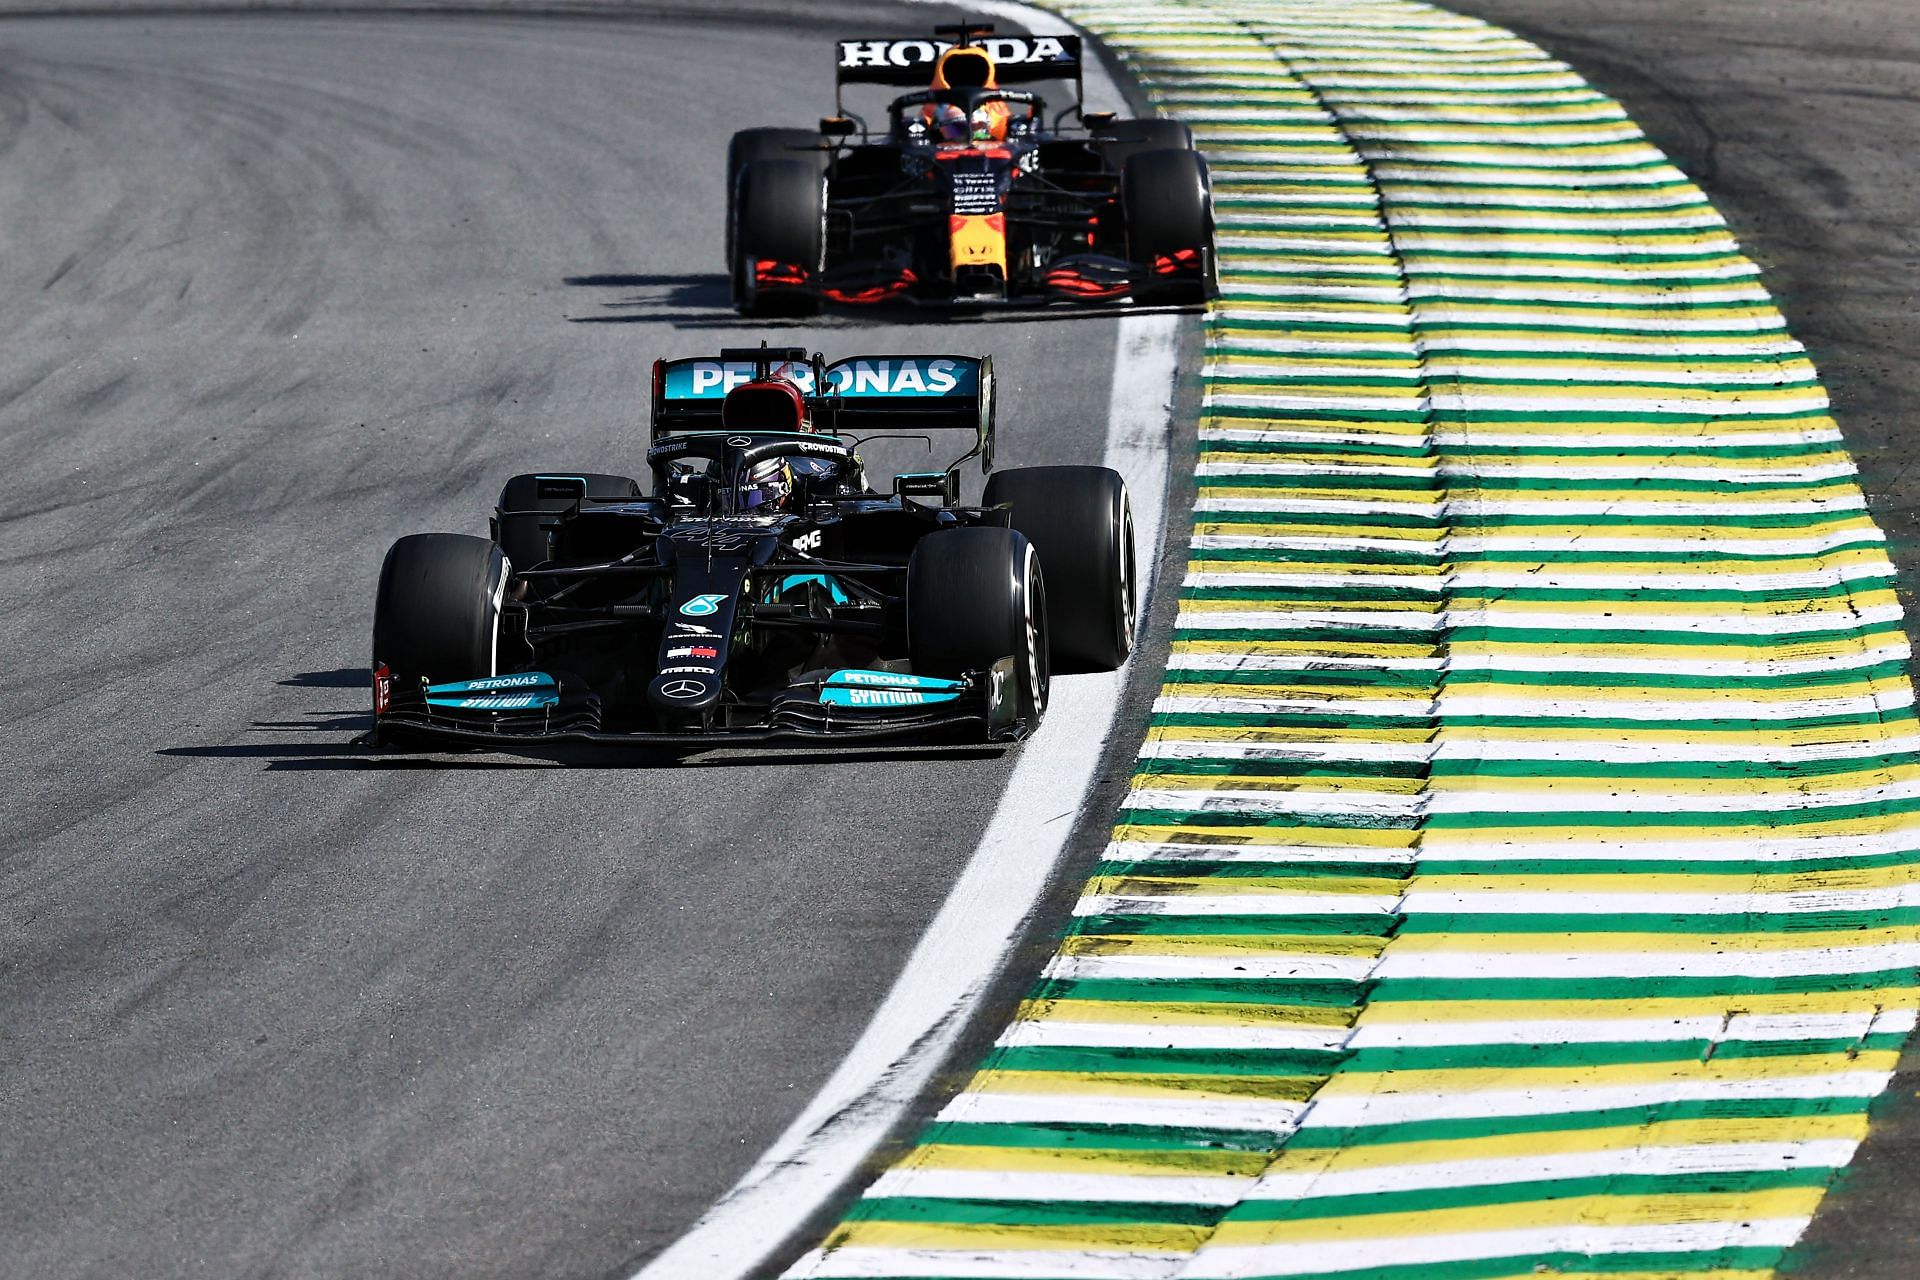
<point x="968" y="193"/>
<point x="763" y="590"/>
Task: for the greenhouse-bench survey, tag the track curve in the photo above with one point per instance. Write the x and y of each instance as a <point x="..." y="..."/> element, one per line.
<point x="300" y="284"/>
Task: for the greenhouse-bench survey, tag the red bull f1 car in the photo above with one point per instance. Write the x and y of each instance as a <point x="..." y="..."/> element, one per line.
<point x="967" y="192"/>
<point x="762" y="589"/>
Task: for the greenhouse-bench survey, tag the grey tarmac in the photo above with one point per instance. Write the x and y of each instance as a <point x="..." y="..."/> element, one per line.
<point x="283" y="287"/>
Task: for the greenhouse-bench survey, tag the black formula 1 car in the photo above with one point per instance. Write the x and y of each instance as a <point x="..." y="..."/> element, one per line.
<point x="763" y="590"/>
<point x="968" y="194"/>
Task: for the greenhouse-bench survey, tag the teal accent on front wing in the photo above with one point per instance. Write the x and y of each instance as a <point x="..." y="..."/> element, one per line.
<point x="855" y="688"/>
<point x="519" y="691"/>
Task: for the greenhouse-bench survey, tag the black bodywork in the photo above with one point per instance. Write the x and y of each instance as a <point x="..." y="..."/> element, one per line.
<point x="1036" y="217"/>
<point x="677" y="619"/>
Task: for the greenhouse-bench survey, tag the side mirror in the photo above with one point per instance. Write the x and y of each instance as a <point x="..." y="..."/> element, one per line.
<point x="836" y="126"/>
<point x="1097" y="119"/>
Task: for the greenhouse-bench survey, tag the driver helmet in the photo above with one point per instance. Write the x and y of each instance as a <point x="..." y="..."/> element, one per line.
<point x="766" y="486"/>
<point x="949" y="125"/>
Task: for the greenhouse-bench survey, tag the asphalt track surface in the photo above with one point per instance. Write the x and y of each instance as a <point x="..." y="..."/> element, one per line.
<point x="285" y="288"/>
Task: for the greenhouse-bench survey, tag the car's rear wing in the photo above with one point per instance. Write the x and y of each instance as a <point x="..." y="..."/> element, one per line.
<point x="908" y="63"/>
<point x="859" y="393"/>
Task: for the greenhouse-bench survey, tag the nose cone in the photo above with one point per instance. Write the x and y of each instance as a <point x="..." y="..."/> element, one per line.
<point x="684" y="691"/>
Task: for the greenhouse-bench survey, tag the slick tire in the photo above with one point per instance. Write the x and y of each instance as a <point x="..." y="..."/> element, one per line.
<point x="524" y="501"/>
<point x="1167" y="202"/>
<point x="779" y="213"/>
<point x="1122" y="139"/>
<point x="751" y="145"/>
<point x="437" y="610"/>
<point x="975" y="596"/>
<point x="1080" y="521"/>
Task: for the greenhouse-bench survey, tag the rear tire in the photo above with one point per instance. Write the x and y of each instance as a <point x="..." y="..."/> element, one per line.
<point x="1168" y="203"/>
<point x="437" y="610"/>
<point x="780" y="214"/>
<point x="517" y="518"/>
<point x="975" y="596"/>
<point x="1125" y="138"/>
<point x="1080" y="520"/>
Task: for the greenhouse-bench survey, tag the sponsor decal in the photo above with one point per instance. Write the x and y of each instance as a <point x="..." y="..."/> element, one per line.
<point x="978" y="240"/>
<point x="701" y="606"/>
<point x="382" y="690"/>
<point x="686" y="630"/>
<point x="683" y="689"/>
<point x="834" y="450"/>
<point x="511" y="702"/>
<point x="711" y="379"/>
<point x="856" y="688"/>
<point x="524" y="680"/>
<point x="457" y="699"/>
<point x="694" y="651"/>
<point x="739" y="442"/>
<point x="896" y="376"/>
<point x="975" y="194"/>
<point x="1008" y="51"/>
<point x="689" y="671"/>
<point x="493" y="684"/>
<point x="806" y="542"/>
<point x="910" y="377"/>
<point x="887" y="697"/>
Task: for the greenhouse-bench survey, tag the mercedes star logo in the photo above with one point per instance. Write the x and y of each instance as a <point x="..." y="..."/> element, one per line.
<point x="683" y="689"/>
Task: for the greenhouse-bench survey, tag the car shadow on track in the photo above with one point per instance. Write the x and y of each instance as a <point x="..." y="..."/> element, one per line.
<point x="686" y="300"/>
<point x="694" y="301"/>
<point x="335" y="739"/>
<point x="353" y="756"/>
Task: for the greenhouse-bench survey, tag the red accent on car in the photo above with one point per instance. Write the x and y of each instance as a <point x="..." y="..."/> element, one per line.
<point x="1178" y="261"/>
<point x="965" y="153"/>
<point x="382" y="690"/>
<point x="768" y="272"/>
<point x="1072" y="282"/>
<point x="874" y="292"/>
<point x="699" y="651"/>
<point x="772" y="405"/>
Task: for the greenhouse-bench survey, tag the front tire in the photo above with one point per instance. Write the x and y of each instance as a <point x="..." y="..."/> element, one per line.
<point x="1080" y="521"/>
<point x="975" y="596"/>
<point x="1168" y="202"/>
<point x="749" y="146"/>
<point x="437" y="610"/>
<point x="780" y="215"/>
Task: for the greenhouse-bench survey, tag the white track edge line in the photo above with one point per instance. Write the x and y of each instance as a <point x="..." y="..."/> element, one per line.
<point x="963" y="949"/>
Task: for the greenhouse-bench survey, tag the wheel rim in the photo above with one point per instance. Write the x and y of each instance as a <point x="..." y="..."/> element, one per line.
<point x="1129" y="600"/>
<point x="1033" y="597"/>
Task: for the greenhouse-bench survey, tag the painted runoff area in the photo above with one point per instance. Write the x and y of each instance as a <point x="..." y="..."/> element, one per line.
<point x="1519" y="874"/>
